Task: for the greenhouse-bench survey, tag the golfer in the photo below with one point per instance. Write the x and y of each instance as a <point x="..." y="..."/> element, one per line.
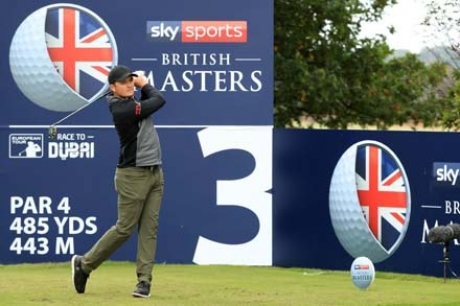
<point x="138" y="180"/>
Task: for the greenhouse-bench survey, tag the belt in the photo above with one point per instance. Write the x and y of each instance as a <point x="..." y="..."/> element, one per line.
<point x="150" y="168"/>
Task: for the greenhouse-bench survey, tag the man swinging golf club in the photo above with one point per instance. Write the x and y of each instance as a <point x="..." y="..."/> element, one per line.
<point x="138" y="180"/>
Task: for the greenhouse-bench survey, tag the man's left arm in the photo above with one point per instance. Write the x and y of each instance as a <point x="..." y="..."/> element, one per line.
<point x="151" y="101"/>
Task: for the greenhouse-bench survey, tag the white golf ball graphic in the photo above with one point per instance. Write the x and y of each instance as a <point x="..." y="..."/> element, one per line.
<point x="362" y="272"/>
<point x="34" y="72"/>
<point x="359" y="221"/>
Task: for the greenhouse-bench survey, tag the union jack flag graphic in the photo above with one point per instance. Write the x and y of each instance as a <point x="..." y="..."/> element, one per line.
<point x="80" y="48"/>
<point x="382" y="193"/>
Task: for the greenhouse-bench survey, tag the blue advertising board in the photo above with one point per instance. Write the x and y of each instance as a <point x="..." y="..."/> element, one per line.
<point x="304" y="164"/>
<point x="220" y="75"/>
<point x="215" y="208"/>
<point x="212" y="60"/>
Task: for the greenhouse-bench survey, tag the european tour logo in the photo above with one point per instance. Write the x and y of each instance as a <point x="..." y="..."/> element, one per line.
<point x="197" y="31"/>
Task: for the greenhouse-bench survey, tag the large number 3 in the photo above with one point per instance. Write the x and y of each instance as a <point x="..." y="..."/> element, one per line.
<point x="249" y="192"/>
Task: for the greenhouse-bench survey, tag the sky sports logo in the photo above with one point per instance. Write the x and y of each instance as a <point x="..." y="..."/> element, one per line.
<point x="361" y="267"/>
<point x="197" y="31"/>
<point x="446" y="174"/>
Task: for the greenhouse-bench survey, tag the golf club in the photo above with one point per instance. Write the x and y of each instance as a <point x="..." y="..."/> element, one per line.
<point x="52" y="131"/>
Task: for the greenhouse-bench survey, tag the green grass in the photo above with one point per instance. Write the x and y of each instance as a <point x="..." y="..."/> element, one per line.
<point x="113" y="282"/>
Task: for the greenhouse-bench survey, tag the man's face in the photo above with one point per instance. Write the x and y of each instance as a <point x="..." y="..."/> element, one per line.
<point x="124" y="88"/>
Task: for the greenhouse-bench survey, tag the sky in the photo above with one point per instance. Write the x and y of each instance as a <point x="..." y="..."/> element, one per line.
<point x="406" y="16"/>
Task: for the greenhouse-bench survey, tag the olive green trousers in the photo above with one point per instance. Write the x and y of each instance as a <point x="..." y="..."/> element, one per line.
<point x="140" y="193"/>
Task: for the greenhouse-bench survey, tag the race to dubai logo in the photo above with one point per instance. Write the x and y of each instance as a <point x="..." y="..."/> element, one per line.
<point x="60" y="57"/>
<point x="369" y="201"/>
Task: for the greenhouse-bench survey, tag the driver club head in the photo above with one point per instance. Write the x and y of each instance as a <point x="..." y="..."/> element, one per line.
<point x="52" y="132"/>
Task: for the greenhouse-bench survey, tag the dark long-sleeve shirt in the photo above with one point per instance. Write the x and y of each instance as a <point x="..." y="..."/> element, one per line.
<point x="139" y="141"/>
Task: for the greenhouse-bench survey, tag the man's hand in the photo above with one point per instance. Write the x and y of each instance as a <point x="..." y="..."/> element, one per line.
<point x="140" y="80"/>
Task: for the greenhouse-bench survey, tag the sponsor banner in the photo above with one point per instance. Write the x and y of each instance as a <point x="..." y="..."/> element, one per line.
<point x="214" y="68"/>
<point x="217" y="206"/>
<point x="343" y="194"/>
<point x="53" y="207"/>
<point x="213" y="61"/>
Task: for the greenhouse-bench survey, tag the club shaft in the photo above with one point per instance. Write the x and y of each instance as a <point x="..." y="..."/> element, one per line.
<point x="71" y="114"/>
<point x="79" y="109"/>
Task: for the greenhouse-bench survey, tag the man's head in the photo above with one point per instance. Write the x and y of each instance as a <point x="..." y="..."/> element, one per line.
<point x="121" y="81"/>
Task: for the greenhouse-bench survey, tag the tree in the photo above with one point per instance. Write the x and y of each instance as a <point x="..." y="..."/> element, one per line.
<point x="442" y="23"/>
<point x="443" y="20"/>
<point x="323" y="70"/>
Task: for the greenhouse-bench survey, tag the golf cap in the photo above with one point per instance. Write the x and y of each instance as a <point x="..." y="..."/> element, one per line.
<point x="119" y="73"/>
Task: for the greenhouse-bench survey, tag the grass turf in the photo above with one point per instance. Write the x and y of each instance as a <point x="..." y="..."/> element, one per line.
<point x="113" y="282"/>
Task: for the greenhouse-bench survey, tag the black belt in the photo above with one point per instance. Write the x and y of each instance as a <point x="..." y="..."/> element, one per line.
<point x="151" y="168"/>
